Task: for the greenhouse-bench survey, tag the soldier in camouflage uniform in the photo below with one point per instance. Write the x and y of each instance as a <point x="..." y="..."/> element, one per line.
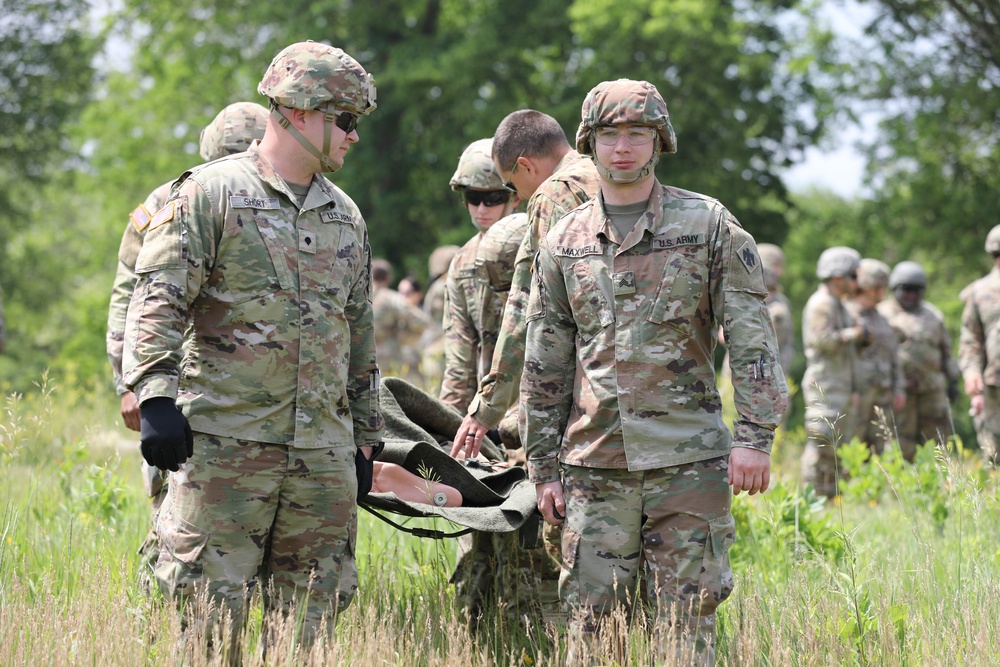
<point x="398" y="327"/>
<point x="268" y="262"/>
<point x="432" y="342"/>
<point x="880" y="374"/>
<point x="830" y="337"/>
<point x="979" y="352"/>
<point x="925" y="352"/>
<point x="469" y="320"/>
<point x="624" y="433"/>
<point x="231" y="131"/>
<point x="531" y="148"/>
<point x="778" y="306"/>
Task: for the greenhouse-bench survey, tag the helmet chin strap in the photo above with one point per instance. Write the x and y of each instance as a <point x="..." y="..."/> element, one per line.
<point x="329" y="119"/>
<point x="627" y="177"/>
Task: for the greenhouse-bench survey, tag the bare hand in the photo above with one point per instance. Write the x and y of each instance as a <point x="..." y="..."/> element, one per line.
<point x="469" y="437"/>
<point x="977" y="405"/>
<point x="749" y="470"/>
<point x="974" y="385"/>
<point x="551" y="503"/>
<point x="130" y="411"/>
<point x="898" y="402"/>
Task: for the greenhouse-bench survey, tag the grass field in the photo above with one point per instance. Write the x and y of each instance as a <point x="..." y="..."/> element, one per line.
<point x="903" y="570"/>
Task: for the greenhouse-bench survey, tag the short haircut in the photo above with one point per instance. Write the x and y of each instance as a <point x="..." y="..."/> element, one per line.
<point x="527" y="132"/>
<point x="381" y="271"/>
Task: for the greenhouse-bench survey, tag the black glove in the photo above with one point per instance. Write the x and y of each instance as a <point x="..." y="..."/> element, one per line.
<point x="365" y="469"/>
<point x="952" y="390"/>
<point x="167" y="440"/>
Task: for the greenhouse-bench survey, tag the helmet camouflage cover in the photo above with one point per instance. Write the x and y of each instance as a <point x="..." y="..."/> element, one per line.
<point x="475" y="168"/>
<point x="993" y="240"/>
<point x="308" y="75"/>
<point x="232" y="131"/>
<point x="907" y="273"/>
<point x="625" y="102"/>
<point x="872" y="273"/>
<point x="440" y="260"/>
<point x="837" y="261"/>
<point x="498" y="250"/>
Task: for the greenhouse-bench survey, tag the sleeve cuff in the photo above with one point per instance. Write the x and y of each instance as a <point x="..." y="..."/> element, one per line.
<point x="543" y="470"/>
<point x="484" y="413"/>
<point x="153" y="386"/>
<point x="752" y="436"/>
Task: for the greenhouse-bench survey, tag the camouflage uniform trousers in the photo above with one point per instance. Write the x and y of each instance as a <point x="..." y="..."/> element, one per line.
<point x="867" y="426"/>
<point x="154" y="481"/>
<point x="493" y="572"/>
<point x="245" y="514"/>
<point x="927" y="416"/>
<point x="988" y="426"/>
<point x="672" y="523"/>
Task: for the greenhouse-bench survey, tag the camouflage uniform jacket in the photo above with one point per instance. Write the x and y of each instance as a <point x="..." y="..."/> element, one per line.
<point x="878" y="363"/>
<point x="784" y="328"/>
<point x="924" y="347"/>
<point x="831" y="361"/>
<point x="573" y="182"/>
<point x="279" y="299"/>
<point x="619" y="367"/>
<point x="979" y="342"/>
<point x="434" y="300"/>
<point x="472" y="314"/>
<point x="125" y="278"/>
<point x="398" y="326"/>
<point x="463" y="315"/>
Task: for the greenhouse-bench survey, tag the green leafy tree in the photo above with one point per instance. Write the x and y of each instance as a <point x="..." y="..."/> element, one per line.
<point x="46" y="51"/>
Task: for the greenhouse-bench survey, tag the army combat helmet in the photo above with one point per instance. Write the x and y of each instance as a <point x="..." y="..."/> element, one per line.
<point x="909" y="274"/>
<point x="498" y="250"/>
<point x="993" y="241"/>
<point x="836" y="262"/>
<point x="310" y="75"/>
<point x="872" y="274"/>
<point x="625" y="102"/>
<point x="476" y="171"/>
<point x="232" y="131"/>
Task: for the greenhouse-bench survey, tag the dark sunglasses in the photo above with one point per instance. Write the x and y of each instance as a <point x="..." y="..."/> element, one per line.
<point x="346" y="121"/>
<point x="912" y="288"/>
<point x="486" y="197"/>
<point x="853" y="275"/>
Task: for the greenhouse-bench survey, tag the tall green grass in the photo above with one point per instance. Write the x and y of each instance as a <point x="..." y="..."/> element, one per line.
<point x="903" y="570"/>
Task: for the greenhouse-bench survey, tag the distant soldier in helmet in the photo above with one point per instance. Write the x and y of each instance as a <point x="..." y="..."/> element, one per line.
<point x="880" y="374"/>
<point x="925" y="352"/>
<point x="269" y="435"/>
<point x="623" y="421"/>
<point x="778" y="306"/>
<point x="231" y="131"/>
<point x="432" y="342"/>
<point x="398" y="326"/>
<point x="979" y="352"/>
<point x="466" y="340"/>
<point x="535" y="159"/>
<point x="830" y="337"/>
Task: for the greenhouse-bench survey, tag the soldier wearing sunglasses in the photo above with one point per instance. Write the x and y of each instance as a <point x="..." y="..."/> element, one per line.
<point x="269" y="421"/>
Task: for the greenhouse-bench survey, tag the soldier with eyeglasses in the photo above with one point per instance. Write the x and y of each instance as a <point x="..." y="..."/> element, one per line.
<point x="623" y="420"/>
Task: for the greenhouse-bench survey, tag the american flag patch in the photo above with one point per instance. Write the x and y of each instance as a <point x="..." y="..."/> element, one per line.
<point x="140" y="217"/>
<point x="165" y="214"/>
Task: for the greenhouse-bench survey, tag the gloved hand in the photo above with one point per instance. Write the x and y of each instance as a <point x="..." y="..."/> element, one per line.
<point x="166" y="439"/>
<point x="952" y="390"/>
<point x="364" y="467"/>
